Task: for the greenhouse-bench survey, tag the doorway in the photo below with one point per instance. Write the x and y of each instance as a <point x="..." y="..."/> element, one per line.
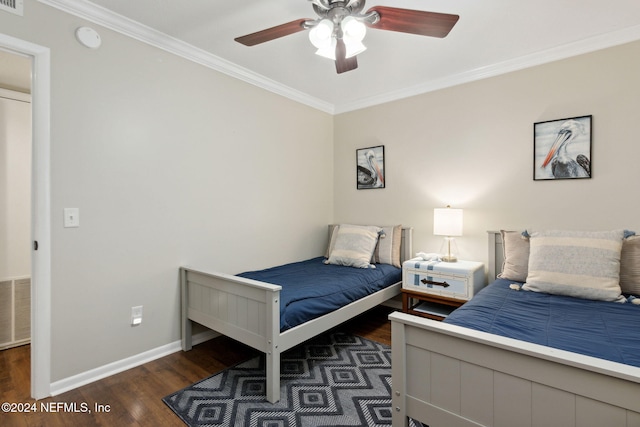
<point x="15" y="201"/>
<point x="40" y="221"/>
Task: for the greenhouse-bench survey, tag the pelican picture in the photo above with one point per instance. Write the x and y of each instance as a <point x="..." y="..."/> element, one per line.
<point x="562" y="149"/>
<point x="370" y="167"/>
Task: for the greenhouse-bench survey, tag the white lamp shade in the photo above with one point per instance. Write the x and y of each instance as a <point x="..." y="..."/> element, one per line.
<point x="353" y="29"/>
<point x="354" y="48"/>
<point x="322" y="34"/>
<point x="353" y="32"/>
<point x="447" y="222"/>
<point x="328" y="51"/>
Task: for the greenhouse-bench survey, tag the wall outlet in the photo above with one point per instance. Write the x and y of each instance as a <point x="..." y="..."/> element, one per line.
<point x="136" y="315"/>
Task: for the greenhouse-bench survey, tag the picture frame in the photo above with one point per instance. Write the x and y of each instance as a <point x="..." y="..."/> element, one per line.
<point x="562" y="148"/>
<point x="370" y="169"/>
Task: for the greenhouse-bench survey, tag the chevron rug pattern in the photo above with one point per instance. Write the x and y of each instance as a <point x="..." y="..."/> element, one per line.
<point x="334" y="379"/>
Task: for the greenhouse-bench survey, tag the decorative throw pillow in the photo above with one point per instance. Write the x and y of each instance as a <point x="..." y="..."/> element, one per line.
<point x="582" y="264"/>
<point x="630" y="266"/>
<point x="354" y="245"/>
<point x="333" y="232"/>
<point x="516" y="256"/>
<point x="387" y="250"/>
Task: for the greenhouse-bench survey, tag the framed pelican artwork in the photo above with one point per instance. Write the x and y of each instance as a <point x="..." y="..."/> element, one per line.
<point x="370" y="167"/>
<point x="562" y="149"/>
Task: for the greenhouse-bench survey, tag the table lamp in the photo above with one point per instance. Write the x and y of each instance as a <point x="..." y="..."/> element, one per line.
<point x="448" y="222"/>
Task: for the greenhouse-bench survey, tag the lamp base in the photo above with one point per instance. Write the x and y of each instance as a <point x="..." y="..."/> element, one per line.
<point x="449" y="250"/>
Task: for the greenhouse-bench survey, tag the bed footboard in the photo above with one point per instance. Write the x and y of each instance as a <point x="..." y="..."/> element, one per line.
<point x="243" y="309"/>
<point x="445" y="375"/>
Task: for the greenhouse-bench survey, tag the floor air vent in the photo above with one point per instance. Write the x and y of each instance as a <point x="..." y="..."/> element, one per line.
<point x="13" y="6"/>
<point x="15" y="312"/>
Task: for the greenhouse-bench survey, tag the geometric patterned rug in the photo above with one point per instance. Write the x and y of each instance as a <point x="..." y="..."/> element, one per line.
<point x="334" y="379"/>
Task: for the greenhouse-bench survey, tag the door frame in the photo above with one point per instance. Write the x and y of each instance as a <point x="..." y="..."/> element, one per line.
<point x="40" y="211"/>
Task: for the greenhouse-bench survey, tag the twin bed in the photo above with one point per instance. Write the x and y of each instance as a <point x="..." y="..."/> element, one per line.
<point x="512" y="357"/>
<point x="276" y="309"/>
<point x="509" y="357"/>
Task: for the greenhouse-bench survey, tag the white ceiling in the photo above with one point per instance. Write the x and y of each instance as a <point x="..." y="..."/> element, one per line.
<point x="491" y="37"/>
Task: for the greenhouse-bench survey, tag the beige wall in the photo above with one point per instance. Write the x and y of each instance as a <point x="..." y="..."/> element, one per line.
<point x="170" y="163"/>
<point x="471" y="146"/>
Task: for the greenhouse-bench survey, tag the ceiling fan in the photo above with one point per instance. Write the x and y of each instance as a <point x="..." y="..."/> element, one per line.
<point x="341" y="26"/>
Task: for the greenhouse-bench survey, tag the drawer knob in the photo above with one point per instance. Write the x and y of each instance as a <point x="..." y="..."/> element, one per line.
<point x="431" y="282"/>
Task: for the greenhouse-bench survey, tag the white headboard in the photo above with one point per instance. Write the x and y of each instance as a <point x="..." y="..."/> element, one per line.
<point x="406" y="244"/>
<point x="496" y="254"/>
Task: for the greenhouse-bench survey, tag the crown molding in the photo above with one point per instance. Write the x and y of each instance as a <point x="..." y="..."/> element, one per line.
<point x="108" y="19"/>
<point x="580" y="47"/>
<point x="123" y="25"/>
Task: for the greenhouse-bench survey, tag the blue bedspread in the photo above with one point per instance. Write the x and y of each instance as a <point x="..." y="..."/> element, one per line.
<point x="606" y="330"/>
<point x="311" y="288"/>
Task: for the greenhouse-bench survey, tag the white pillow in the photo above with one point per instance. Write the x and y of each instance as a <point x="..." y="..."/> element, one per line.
<point x="582" y="264"/>
<point x="354" y="245"/>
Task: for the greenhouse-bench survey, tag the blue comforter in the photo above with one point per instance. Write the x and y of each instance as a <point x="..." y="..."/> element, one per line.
<point x="606" y="330"/>
<point x="311" y="288"/>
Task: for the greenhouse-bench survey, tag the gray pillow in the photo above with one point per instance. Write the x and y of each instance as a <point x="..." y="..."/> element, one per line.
<point x="516" y="256"/>
<point x="387" y="250"/>
<point x="630" y="266"/>
<point x="333" y="232"/>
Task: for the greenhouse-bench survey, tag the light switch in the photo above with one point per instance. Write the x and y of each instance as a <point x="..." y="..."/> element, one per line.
<point x="71" y="217"/>
<point x="136" y="315"/>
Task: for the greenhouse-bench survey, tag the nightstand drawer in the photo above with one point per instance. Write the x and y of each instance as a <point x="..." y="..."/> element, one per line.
<point x="460" y="280"/>
<point x="438" y="284"/>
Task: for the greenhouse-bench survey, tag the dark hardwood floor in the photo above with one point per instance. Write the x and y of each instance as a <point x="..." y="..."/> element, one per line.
<point x="133" y="397"/>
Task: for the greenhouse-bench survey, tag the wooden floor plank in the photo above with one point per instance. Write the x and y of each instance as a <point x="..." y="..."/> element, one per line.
<point x="134" y="397"/>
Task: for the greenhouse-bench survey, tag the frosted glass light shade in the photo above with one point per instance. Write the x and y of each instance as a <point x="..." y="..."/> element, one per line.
<point x="321" y="35"/>
<point x="353" y="47"/>
<point x="447" y="222"/>
<point x="353" y="29"/>
<point x="328" y="51"/>
<point x="353" y="32"/>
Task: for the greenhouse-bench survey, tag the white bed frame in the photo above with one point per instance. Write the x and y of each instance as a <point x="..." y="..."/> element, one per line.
<point x="447" y="376"/>
<point x="249" y="311"/>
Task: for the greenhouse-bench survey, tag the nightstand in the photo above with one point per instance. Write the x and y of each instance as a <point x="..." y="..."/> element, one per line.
<point x="434" y="289"/>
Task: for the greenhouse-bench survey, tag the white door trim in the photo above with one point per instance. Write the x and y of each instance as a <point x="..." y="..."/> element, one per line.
<point x="40" y="212"/>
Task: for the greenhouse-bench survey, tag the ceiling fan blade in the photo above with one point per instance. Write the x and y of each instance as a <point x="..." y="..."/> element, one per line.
<point x="272" y="33"/>
<point x="344" y="64"/>
<point x="414" y="21"/>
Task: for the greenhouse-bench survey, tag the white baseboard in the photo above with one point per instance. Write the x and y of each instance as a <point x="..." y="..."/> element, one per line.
<point x="113" y="368"/>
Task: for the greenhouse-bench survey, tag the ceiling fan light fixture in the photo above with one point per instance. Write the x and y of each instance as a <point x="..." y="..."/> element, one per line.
<point x="328" y="51"/>
<point x="338" y="31"/>
<point x="353" y="29"/>
<point x="321" y="36"/>
<point x="353" y="32"/>
<point x="353" y="48"/>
